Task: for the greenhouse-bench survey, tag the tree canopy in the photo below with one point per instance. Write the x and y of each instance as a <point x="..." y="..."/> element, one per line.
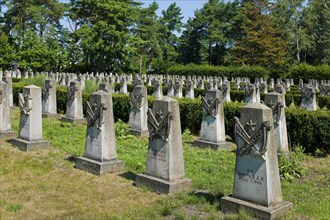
<point x="127" y="36"/>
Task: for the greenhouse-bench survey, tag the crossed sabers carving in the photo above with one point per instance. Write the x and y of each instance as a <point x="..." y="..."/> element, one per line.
<point x="250" y="140"/>
<point x="45" y="91"/>
<point x="25" y="103"/>
<point x="95" y="114"/>
<point x="210" y="107"/>
<point x="307" y="94"/>
<point x="72" y="92"/>
<point x="324" y="90"/>
<point x="277" y="110"/>
<point x="159" y="125"/>
<point x="136" y="100"/>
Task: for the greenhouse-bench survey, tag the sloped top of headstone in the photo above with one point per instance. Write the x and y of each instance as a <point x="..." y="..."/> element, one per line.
<point x="167" y="99"/>
<point x="31" y="86"/>
<point x="256" y="105"/>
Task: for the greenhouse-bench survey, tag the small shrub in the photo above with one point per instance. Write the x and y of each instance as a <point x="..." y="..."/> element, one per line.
<point x="292" y="166"/>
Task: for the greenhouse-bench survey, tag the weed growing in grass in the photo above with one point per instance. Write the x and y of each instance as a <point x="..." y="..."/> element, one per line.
<point x="90" y="86"/>
<point x="121" y="130"/>
<point x="14" y="207"/>
<point x="292" y="166"/>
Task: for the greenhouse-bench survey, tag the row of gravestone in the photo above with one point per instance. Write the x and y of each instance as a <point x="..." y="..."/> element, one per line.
<point x="175" y="85"/>
<point x="256" y="178"/>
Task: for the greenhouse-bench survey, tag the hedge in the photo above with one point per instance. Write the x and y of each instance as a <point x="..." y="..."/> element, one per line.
<point x="306" y="128"/>
<point x="306" y="72"/>
<point x="231" y="71"/>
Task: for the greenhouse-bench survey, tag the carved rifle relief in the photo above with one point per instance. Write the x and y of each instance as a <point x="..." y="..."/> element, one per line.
<point x="45" y="91"/>
<point x="25" y="103"/>
<point x="136" y="100"/>
<point x="255" y="139"/>
<point x="210" y="107"/>
<point x="277" y="110"/>
<point x="159" y="125"/>
<point x="95" y="114"/>
<point x="72" y="92"/>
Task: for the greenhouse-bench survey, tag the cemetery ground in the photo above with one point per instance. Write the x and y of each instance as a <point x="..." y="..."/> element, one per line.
<point x="43" y="184"/>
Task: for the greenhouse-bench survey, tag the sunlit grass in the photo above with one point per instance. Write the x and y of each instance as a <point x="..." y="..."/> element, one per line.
<point x="44" y="184"/>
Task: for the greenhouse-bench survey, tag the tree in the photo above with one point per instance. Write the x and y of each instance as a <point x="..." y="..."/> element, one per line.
<point x="261" y="41"/>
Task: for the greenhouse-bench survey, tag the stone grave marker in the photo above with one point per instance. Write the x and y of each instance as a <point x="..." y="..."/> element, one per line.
<point x="190" y="93"/>
<point x="212" y="134"/>
<point x="158" y="88"/>
<point x="5" y="121"/>
<point x="74" y="107"/>
<point x="257" y="186"/>
<point x="250" y="93"/>
<point x="308" y="98"/>
<point x="165" y="164"/>
<point x="30" y="127"/>
<point x="49" y="105"/>
<point x="276" y="101"/>
<point x="100" y="150"/>
<point x="137" y="124"/>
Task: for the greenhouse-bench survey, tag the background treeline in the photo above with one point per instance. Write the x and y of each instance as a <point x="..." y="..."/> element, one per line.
<point x="123" y="36"/>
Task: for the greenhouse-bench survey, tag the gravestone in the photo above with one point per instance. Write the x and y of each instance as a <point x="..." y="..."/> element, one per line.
<point x="106" y="87"/>
<point x="74" y="107"/>
<point x="276" y="101"/>
<point x="49" y="106"/>
<point x="190" y="93"/>
<point x="263" y="87"/>
<point x="165" y="164"/>
<point x="250" y="93"/>
<point x="123" y="85"/>
<point x="257" y="186"/>
<point x="225" y="90"/>
<point x="212" y="134"/>
<point x="30" y="127"/>
<point x="9" y="82"/>
<point x="178" y="88"/>
<point x="271" y="83"/>
<point x="158" y="89"/>
<point x="308" y="98"/>
<point x="100" y="150"/>
<point x="137" y="124"/>
<point x="5" y="122"/>
<point x="170" y="88"/>
<point x="324" y="89"/>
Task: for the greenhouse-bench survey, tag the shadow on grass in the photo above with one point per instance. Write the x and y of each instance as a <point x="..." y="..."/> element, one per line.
<point x="70" y="158"/>
<point x="209" y="197"/>
<point x="129" y="175"/>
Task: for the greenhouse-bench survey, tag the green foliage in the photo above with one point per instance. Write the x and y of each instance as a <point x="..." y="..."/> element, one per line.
<point x="305" y="72"/>
<point x="231" y="71"/>
<point x="121" y="130"/>
<point x="292" y="166"/>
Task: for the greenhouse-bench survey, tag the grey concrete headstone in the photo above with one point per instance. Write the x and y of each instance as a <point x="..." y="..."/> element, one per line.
<point x="5" y="121"/>
<point x="30" y="127"/>
<point x="49" y="103"/>
<point x="308" y="98"/>
<point x="165" y="163"/>
<point x="257" y="186"/>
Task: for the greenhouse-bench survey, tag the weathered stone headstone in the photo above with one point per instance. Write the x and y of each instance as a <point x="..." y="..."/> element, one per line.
<point x="250" y="93"/>
<point x="212" y="134"/>
<point x="49" y="105"/>
<point x="308" y="98"/>
<point x="74" y="107"/>
<point x="276" y="101"/>
<point x="225" y="90"/>
<point x="324" y="89"/>
<point x="9" y="82"/>
<point x="190" y="93"/>
<point x="30" y="127"/>
<point x="257" y="186"/>
<point x="178" y="88"/>
<point x="170" y="88"/>
<point x="158" y="89"/>
<point x="123" y="85"/>
<point x="263" y="87"/>
<point x="5" y="122"/>
<point x="137" y="124"/>
<point x="165" y="163"/>
<point x="100" y="149"/>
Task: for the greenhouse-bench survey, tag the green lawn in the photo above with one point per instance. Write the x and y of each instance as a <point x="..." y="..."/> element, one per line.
<point x="44" y="184"/>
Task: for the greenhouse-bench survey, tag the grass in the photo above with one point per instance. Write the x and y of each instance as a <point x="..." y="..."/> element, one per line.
<point x="44" y="184"/>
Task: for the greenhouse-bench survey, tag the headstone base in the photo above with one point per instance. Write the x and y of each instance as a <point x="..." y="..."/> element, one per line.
<point x="7" y="135"/>
<point x="139" y="133"/>
<point x="230" y="204"/>
<point x="98" y="167"/>
<point x="163" y="186"/>
<point x="74" y="120"/>
<point x="224" y="145"/>
<point x="50" y="116"/>
<point x="25" y="145"/>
